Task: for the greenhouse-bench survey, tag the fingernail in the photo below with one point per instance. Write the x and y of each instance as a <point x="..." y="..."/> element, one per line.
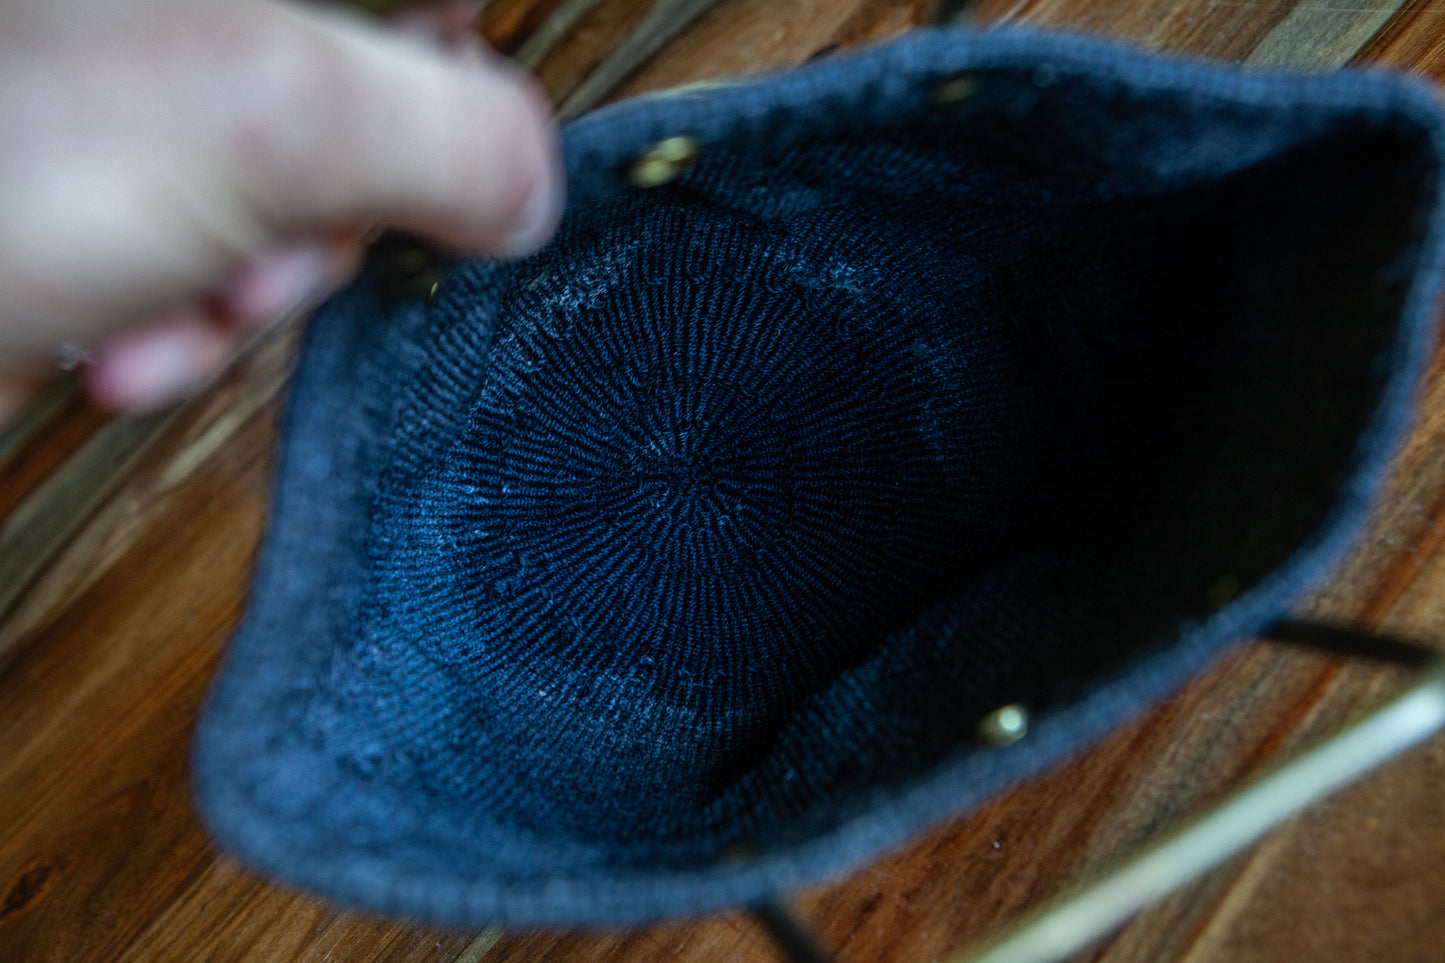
<point x="138" y="377"/>
<point x="537" y="218"/>
<point x="279" y="283"/>
<point x="150" y="368"/>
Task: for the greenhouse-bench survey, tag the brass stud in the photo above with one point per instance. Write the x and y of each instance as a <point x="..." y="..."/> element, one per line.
<point x="413" y="261"/>
<point x="1004" y="726"/>
<point x="954" y="90"/>
<point x="408" y="272"/>
<point x="665" y="162"/>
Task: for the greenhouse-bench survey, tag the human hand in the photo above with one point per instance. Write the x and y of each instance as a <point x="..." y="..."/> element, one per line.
<point x="174" y="172"/>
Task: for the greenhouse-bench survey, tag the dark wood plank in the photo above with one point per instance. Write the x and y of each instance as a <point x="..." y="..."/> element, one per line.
<point x="116" y="637"/>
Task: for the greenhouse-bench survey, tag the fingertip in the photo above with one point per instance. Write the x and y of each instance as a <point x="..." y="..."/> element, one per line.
<point x="289" y="279"/>
<point x="386" y="130"/>
<point x="545" y="196"/>
<point x="276" y="283"/>
<point x="447" y="24"/>
<point x="507" y="192"/>
<point x="151" y="367"/>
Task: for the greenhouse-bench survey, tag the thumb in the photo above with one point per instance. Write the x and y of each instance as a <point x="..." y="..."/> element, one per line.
<point x="374" y="126"/>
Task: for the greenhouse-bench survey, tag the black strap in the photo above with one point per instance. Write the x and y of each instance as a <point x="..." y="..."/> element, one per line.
<point x="1357" y="643"/>
<point x="790" y="935"/>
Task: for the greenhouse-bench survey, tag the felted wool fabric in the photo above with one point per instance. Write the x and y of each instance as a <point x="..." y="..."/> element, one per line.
<point x="721" y="522"/>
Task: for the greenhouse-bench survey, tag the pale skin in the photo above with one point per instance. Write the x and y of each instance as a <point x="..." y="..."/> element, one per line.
<point x="174" y="173"/>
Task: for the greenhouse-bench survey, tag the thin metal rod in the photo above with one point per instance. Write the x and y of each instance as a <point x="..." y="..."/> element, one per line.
<point x="1069" y="924"/>
<point x="955" y="12"/>
<point x="666" y="20"/>
<point x="554" y="28"/>
<point x="791" y="937"/>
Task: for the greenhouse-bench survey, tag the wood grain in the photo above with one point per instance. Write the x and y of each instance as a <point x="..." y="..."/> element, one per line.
<point x="124" y="600"/>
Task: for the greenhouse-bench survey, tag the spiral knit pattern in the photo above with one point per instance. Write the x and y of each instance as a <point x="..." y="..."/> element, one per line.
<point x="721" y="486"/>
<point x="731" y="448"/>
<point x="724" y="447"/>
<point x="709" y="496"/>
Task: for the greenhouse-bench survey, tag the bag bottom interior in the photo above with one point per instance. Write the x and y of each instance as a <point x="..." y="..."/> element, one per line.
<point x="777" y="478"/>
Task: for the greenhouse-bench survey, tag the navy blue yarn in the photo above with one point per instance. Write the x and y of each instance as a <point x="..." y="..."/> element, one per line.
<point x="723" y="519"/>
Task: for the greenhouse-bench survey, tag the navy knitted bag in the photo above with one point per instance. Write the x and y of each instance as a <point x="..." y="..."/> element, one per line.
<point x="847" y="406"/>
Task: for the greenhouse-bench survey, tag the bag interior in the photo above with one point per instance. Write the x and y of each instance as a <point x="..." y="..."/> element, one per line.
<point x="777" y="478"/>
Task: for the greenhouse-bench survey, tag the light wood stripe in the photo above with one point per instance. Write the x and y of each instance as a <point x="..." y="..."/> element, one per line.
<point x="480" y="947"/>
<point x="42" y="524"/>
<point x="47" y="403"/>
<point x="1322" y="34"/>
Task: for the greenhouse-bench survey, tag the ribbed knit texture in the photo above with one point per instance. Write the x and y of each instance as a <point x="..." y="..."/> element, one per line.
<point x="725" y="518"/>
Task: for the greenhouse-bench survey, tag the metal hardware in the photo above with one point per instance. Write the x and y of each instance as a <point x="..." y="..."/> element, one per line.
<point x="954" y="90"/>
<point x="956" y="13"/>
<point x="664" y="21"/>
<point x="554" y="28"/>
<point x="665" y="162"/>
<point x="407" y="270"/>
<point x="1004" y="726"/>
<point x="1070" y="923"/>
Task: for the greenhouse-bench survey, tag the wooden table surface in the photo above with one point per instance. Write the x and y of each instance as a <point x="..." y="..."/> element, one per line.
<point x="127" y="548"/>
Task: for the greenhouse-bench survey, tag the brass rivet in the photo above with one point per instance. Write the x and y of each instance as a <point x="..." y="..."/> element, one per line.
<point x="1004" y="726"/>
<point x="667" y="159"/>
<point x="408" y="273"/>
<point x="954" y="90"/>
<point x="413" y="261"/>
